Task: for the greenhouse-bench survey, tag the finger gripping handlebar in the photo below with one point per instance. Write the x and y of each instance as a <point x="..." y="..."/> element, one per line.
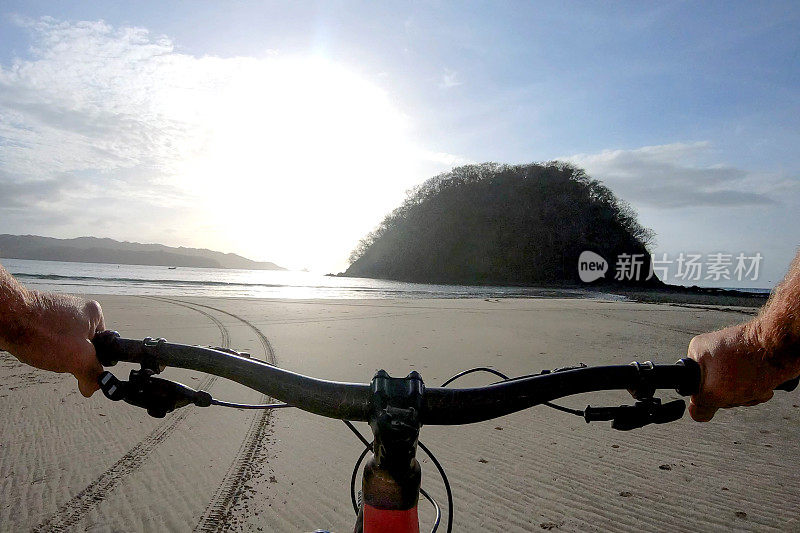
<point x="787" y="386"/>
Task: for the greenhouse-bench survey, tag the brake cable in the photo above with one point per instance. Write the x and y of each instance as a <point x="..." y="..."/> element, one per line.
<point x="646" y="410"/>
<point x="250" y="405"/>
<point x="446" y="482"/>
<point x="576" y="412"/>
<point x="436" y="507"/>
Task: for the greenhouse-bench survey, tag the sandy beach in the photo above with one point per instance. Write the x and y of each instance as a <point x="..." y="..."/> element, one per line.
<point x="70" y="464"/>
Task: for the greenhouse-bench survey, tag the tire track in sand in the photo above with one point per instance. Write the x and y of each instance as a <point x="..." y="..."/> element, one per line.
<point x="268" y="351"/>
<point x="224" y="511"/>
<point x="98" y="490"/>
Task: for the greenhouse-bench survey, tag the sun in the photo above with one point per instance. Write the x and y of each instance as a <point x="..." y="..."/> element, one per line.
<point x="294" y="158"/>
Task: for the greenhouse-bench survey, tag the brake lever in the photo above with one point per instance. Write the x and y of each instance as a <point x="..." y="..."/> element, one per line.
<point x="642" y="413"/>
<point x="158" y="396"/>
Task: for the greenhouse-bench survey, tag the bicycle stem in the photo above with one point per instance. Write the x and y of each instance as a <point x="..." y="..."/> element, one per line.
<point x="392" y="477"/>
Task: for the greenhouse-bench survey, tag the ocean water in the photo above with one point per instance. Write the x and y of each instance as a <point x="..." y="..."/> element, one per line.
<point x="101" y="278"/>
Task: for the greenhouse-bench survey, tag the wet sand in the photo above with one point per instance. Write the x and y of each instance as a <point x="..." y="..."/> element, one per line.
<point x="71" y="464"/>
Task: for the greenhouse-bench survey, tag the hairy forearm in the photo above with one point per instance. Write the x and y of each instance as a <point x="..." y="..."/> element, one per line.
<point x="778" y="325"/>
<point x="50" y="331"/>
<point x="15" y="310"/>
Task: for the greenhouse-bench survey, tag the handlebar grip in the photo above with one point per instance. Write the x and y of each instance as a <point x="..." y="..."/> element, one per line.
<point x="105" y="346"/>
<point x="691" y="385"/>
<point x="694" y="385"/>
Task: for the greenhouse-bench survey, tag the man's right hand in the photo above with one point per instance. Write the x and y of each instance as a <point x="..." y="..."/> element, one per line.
<point x="737" y="369"/>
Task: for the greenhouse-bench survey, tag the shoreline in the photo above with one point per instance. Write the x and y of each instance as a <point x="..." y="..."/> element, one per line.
<point x="162" y="281"/>
<point x="673" y="294"/>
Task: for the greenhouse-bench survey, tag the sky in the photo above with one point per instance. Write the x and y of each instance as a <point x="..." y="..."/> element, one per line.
<point x="285" y="131"/>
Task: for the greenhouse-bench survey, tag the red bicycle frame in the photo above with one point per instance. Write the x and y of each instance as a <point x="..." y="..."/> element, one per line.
<point x="387" y="521"/>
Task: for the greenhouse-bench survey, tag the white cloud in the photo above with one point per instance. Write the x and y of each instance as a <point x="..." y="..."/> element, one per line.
<point x="678" y="175"/>
<point x="290" y="159"/>
<point x="449" y="79"/>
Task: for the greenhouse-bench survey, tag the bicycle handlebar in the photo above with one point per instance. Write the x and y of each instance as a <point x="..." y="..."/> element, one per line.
<point x="444" y="406"/>
<point x="440" y="406"/>
<point x="347" y="401"/>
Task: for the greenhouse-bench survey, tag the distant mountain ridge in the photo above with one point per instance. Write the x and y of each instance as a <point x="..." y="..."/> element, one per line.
<point x="97" y="250"/>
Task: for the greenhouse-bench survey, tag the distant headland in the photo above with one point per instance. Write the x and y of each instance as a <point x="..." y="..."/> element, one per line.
<point x="96" y="250"/>
<point x="494" y="224"/>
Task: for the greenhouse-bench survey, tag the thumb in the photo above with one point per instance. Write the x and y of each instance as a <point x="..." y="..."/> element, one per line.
<point x="89" y="372"/>
<point x="87" y="385"/>
<point x="701" y="413"/>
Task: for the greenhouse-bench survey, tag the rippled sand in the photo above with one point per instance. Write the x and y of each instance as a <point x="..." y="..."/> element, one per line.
<point x="92" y="465"/>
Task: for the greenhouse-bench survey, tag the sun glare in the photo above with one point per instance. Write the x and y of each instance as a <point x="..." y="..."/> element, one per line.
<point x="294" y="159"/>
